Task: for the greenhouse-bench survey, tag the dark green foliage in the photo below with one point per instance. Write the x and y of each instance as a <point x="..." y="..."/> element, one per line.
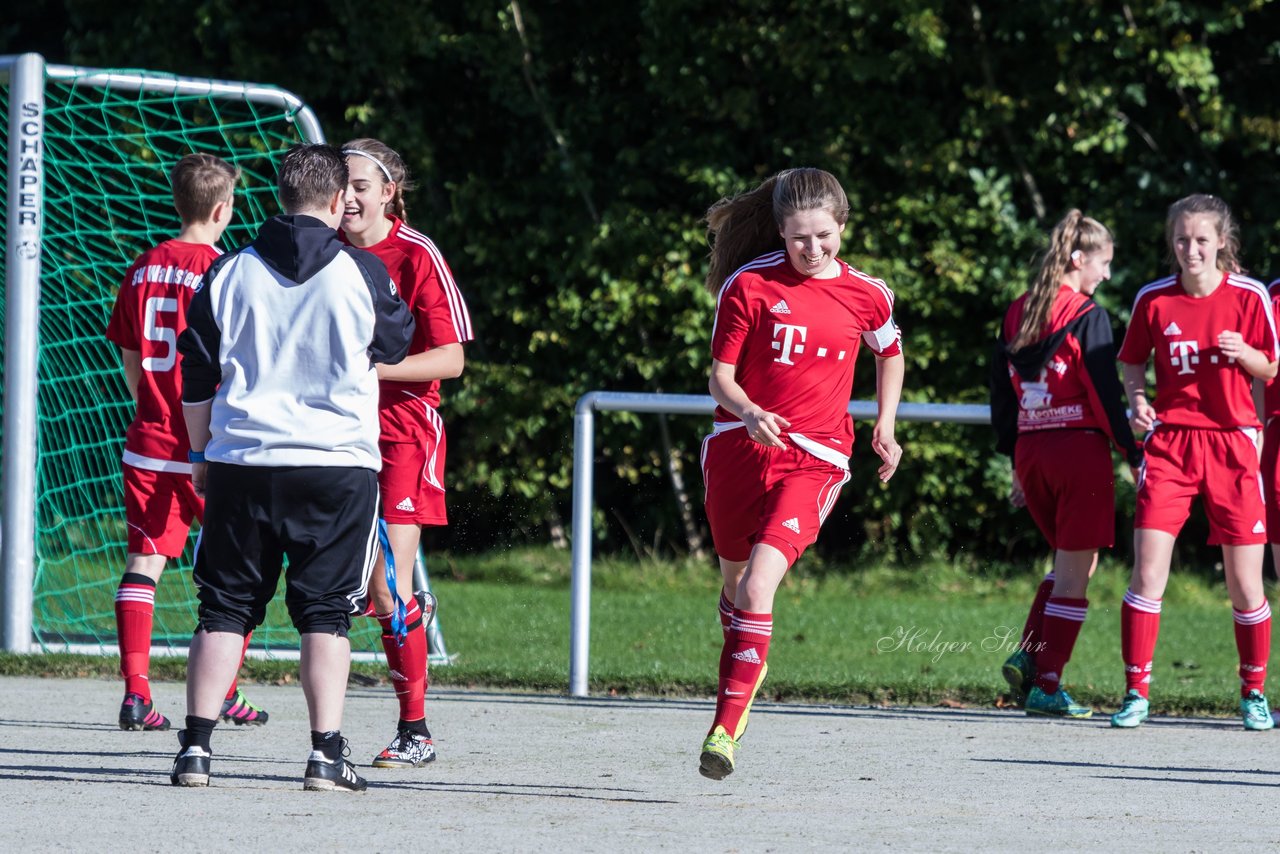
<point x="565" y="151"/>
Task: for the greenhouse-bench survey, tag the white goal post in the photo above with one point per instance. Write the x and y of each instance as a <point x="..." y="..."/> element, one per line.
<point x="26" y="78"/>
<point x="670" y="404"/>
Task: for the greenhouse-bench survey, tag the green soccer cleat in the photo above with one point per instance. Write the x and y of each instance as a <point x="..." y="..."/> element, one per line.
<point x="716" y="761"/>
<point x="1133" y="710"/>
<point x="1056" y="705"/>
<point x="1256" y="712"/>
<point x="1019" y="671"/>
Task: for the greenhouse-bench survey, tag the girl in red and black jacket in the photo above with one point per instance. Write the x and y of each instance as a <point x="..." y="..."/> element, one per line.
<point x="1056" y="403"/>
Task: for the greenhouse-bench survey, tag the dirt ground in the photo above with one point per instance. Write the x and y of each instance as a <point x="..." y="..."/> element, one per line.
<point x="531" y="773"/>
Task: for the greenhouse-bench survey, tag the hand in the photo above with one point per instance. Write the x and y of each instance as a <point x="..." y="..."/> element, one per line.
<point x="1143" y="419"/>
<point x="890" y="451"/>
<point x="765" y="427"/>
<point x="1232" y="344"/>
<point x="1017" y="497"/>
<point x="199" y="477"/>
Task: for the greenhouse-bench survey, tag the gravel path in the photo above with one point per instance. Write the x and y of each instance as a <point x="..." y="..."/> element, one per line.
<point x="528" y="773"/>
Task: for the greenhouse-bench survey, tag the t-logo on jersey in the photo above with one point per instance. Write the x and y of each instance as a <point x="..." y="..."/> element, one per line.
<point x="1184" y="355"/>
<point x="784" y="339"/>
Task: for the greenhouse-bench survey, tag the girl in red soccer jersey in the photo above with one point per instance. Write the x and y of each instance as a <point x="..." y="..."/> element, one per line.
<point x="1212" y="332"/>
<point x="1056" y="400"/>
<point x="413" y="439"/>
<point x="790" y="318"/>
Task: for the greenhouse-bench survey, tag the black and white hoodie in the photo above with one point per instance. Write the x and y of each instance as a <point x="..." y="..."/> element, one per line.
<point x="282" y="336"/>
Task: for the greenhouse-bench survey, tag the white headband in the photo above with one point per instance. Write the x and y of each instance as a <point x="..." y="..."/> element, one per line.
<point x="385" y="170"/>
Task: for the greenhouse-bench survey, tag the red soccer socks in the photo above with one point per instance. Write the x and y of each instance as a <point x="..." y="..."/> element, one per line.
<point x="1139" y="628"/>
<point x="1253" y="641"/>
<point x="1058" y="632"/>
<point x="135" y="607"/>
<point x="408" y="663"/>
<point x="1033" y="628"/>
<point x="742" y="669"/>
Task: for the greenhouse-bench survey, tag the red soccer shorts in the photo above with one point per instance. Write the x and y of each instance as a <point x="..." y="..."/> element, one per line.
<point x="412" y="476"/>
<point x="765" y="495"/>
<point x="1221" y="466"/>
<point x="1069" y="482"/>
<point x="159" y="508"/>
<point x="1270" y="482"/>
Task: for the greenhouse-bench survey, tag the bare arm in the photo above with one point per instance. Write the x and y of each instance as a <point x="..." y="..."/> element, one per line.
<point x="439" y="363"/>
<point x="889" y="374"/>
<point x="1254" y="361"/>
<point x="1142" y="415"/>
<point x="763" y="427"/>
<point x="132" y="361"/>
<point x="197" y="416"/>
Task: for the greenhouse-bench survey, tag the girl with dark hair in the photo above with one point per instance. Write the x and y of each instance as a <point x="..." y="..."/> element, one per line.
<point x="1056" y="402"/>
<point x="790" y="318"/>
<point x="413" y="438"/>
<point x="1212" y="333"/>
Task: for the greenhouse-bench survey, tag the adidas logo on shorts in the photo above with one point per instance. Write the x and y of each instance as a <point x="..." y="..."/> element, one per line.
<point x="780" y="307"/>
<point x="406" y="505"/>
<point x="792" y="524"/>
<point x="749" y="655"/>
<point x="1259" y="528"/>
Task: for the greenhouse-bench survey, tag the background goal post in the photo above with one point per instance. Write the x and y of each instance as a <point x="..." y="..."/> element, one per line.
<point x="86" y="190"/>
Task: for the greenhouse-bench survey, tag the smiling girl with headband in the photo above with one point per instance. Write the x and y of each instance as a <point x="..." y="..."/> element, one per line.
<point x="413" y="437"/>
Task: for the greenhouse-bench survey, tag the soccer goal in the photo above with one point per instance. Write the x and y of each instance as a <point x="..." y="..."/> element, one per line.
<point x="86" y="190"/>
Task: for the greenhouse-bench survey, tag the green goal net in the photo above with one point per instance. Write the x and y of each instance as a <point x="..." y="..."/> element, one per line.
<point x="110" y="139"/>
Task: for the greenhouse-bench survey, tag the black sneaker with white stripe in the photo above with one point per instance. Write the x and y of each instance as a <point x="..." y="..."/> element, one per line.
<point x="191" y="767"/>
<point x="332" y="775"/>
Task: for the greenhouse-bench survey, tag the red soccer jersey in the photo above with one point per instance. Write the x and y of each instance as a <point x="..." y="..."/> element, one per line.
<point x="1271" y="396"/>
<point x="1061" y="396"/>
<point x="793" y="342"/>
<point x="1196" y="386"/>
<point x="427" y="287"/>
<point x="149" y="315"/>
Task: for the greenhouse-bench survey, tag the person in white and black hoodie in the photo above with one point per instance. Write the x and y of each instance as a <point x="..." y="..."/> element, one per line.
<point x="280" y="396"/>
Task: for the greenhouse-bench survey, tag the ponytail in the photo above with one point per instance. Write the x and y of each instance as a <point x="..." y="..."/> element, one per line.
<point x="1074" y="233"/>
<point x="749" y="224"/>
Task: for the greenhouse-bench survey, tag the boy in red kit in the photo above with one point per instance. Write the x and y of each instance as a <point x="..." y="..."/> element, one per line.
<point x="1212" y="333"/>
<point x="149" y="315"/>
<point x="413" y="438"/>
<point x="790" y="318"/>
<point x="1056" y="401"/>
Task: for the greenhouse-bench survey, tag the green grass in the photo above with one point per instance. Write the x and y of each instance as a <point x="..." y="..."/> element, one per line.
<point x="927" y="634"/>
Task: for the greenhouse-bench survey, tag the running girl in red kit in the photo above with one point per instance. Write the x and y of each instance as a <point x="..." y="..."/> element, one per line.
<point x="159" y="502"/>
<point x="413" y="438"/>
<point x="1056" y="402"/>
<point x="1212" y="333"/>
<point x="790" y="318"/>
